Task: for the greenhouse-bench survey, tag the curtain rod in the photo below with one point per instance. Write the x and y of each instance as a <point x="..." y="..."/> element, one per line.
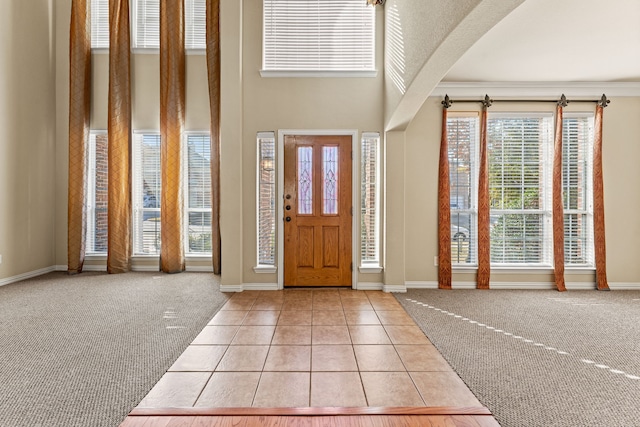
<point x="563" y="101"/>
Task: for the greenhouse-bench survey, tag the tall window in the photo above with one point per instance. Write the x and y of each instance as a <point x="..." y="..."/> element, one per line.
<point x="146" y="193"/>
<point x="97" y="196"/>
<point x="370" y="199"/>
<point x="577" y="164"/>
<point x="315" y="35"/>
<point x="266" y="202"/>
<point x="146" y="24"/>
<point x="198" y="191"/>
<point x="462" y="137"/>
<point x="100" y="24"/>
<point x="520" y="162"/>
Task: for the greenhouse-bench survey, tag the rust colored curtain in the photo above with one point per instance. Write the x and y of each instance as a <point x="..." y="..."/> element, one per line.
<point x="172" y="114"/>
<point x="598" y="202"/>
<point x="79" y="114"/>
<point x="119" y="133"/>
<point x="213" y="70"/>
<point x="557" y="205"/>
<point x="484" y="232"/>
<point x="444" y="210"/>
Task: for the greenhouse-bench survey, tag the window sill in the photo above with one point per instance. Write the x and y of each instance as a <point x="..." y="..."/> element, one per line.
<point x="370" y="269"/>
<point x="264" y="269"/>
<point x="319" y="73"/>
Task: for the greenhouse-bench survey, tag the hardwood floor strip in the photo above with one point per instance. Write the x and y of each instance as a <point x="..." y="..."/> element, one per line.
<point x="311" y="411"/>
<point x="319" y="421"/>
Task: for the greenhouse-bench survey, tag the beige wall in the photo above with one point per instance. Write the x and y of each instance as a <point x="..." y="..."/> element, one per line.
<point x="621" y="142"/>
<point x="27" y="136"/>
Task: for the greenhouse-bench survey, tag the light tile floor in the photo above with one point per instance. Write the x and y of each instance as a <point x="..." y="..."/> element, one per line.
<point x="319" y="348"/>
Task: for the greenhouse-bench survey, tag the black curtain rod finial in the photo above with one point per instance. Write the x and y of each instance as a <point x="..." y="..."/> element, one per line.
<point x="447" y="101"/>
<point x="487" y="102"/>
<point x="563" y="102"/>
<point x="604" y="101"/>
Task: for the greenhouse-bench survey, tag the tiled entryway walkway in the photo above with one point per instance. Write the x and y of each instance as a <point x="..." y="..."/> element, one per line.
<point x="310" y="348"/>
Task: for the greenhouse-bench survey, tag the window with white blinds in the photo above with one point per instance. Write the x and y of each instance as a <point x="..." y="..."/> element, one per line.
<point x="146" y="24"/>
<point x="266" y="203"/>
<point x="146" y="193"/>
<point x="195" y="20"/>
<point x="97" y="197"/>
<point x="577" y="192"/>
<point x="462" y="134"/>
<point x="198" y="191"/>
<point x="100" y="24"/>
<point x="370" y="199"/>
<point x="315" y="35"/>
<point x="519" y="148"/>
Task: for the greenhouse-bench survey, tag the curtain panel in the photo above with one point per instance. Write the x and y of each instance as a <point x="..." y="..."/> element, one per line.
<point x="598" y="201"/>
<point x="79" y="115"/>
<point x="557" y="203"/>
<point x="213" y="71"/>
<point x="119" y="134"/>
<point x="484" y="232"/>
<point x="172" y="116"/>
<point x="444" y="209"/>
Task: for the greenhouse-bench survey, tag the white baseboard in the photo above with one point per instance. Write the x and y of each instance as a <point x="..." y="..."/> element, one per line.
<point x="421" y="285"/>
<point x="369" y="286"/>
<point x="260" y="286"/>
<point x="523" y="285"/>
<point x="27" y="275"/>
<point x="231" y="288"/>
<point x="61" y="267"/>
<point x="395" y="288"/>
<point x="622" y="286"/>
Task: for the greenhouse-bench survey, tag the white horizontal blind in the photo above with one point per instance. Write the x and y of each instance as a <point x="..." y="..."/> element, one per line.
<point x="198" y="190"/>
<point x="519" y="188"/>
<point x="318" y="35"/>
<point x="97" y="197"/>
<point x="266" y="198"/>
<point x="370" y="199"/>
<point x="195" y="24"/>
<point x="462" y="134"/>
<point x="147" y="24"/>
<point x="146" y="193"/>
<point x="100" y="24"/>
<point x="577" y="191"/>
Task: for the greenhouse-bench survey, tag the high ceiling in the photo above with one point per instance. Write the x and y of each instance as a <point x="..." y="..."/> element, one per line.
<point x="558" y="41"/>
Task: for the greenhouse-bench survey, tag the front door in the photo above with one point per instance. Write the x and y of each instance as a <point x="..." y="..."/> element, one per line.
<point x="317" y="210"/>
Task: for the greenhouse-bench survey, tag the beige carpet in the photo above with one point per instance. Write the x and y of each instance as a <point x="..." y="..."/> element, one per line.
<point x="84" y="350"/>
<point x="540" y="358"/>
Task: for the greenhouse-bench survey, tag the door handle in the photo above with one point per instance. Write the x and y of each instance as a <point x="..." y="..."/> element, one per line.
<point x="288" y="219"/>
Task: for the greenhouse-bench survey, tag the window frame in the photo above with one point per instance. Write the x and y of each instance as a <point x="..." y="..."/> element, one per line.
<point x="373" y="265"/>
<point x="280" y="70"/>
<point x="91" y="195"/>
<point x="588" y="191"/>
<point x="190" y="23"/>
<point x="185" y="182"/>
<point x="261" y="267"/>
<point x="136" y="195"/>
<point x="472" y="210"/>
<point x="545" y="188"/>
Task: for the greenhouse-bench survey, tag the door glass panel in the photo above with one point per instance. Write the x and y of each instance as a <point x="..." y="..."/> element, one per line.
<point x="330" y="180"/>
<point x="305" y="180"/>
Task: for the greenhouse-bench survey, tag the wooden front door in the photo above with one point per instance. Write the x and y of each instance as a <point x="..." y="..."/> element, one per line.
<point x="317" y="210"/>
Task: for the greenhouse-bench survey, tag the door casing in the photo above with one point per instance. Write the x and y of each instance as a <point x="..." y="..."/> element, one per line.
<point x="355" y="191"/>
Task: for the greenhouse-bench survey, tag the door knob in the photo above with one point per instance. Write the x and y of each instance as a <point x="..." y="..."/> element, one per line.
<point x="288" y="207"/>
<point x="288" y="219"/>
